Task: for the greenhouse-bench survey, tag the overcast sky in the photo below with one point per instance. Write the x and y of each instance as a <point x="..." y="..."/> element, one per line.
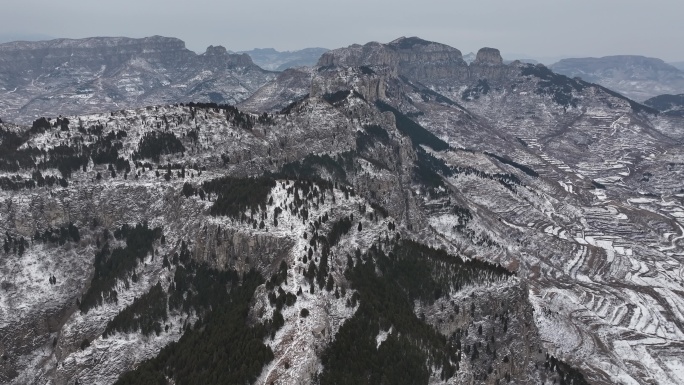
<point x="537" y="28"/>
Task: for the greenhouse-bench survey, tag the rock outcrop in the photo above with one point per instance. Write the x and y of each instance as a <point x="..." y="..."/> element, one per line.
<point x="421" y="61"/>
<point x="488" y="56"/>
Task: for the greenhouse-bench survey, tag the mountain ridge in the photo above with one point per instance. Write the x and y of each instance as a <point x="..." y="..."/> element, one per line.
<point x="454" y="223"/>
<point x="89" y="75"/>
<point x="638" y="77"/>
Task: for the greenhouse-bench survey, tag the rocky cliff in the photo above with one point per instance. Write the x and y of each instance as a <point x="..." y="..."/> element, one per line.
<point x="66" y="76"/>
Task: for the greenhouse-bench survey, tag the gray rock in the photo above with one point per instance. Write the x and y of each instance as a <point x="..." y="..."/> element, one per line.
<point x="61" y="77"/>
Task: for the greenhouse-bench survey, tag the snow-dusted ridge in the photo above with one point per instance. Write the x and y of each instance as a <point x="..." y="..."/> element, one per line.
<point x="583" y="201"/>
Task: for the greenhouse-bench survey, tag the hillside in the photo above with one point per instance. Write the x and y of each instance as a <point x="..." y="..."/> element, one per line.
<point x="634" y="76"/>
<point x="668" y="104"/>
<point x="391" y="215"/>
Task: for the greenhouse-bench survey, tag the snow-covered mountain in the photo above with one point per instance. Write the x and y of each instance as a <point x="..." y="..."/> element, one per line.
<point x="49" y="78"/>
<point x="393" y="214"/>
<point x="271" y="59"/>
<point x="637" y="77"/>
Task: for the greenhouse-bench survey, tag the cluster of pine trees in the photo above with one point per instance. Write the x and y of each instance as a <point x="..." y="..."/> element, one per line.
<point x="367" y="138"/>
<point x="567" y="375"/>
<point x="414" y="349"/>
<point x="221" y="347"/>
<point x="17" y="182"/>
<point x="59" y="235"/>
<point x="311" y="166"/>
<point x="65" y="158"/>
<point x="526" y="169"/>
<point x="233" y="115"/>
<point x="12" y="158"/>
<point x="15" y="245"/>
<point x="481" y="88"/>
<point x="118" y="264"/>
<point x="154" y="144"/>
<point x="145" y="314"/>
<point x="236" y="195"/>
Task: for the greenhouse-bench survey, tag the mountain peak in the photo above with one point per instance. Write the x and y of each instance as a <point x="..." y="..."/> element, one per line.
<point x="408" y="42"/>
<point x="488" y="56"/>
<point x="216" y="50"/>
<point x="219" y="55"/>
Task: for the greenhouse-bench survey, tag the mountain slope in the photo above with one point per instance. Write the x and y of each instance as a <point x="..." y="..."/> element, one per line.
<point x="580" y="143"/>
<point x="396" y="215"/>
<point x="668" y="104"/>
<point x="197" y="225"/>
<point x="637" y="77"/>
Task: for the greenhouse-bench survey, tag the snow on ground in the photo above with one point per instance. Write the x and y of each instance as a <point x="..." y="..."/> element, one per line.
<point x="298" y="343"/>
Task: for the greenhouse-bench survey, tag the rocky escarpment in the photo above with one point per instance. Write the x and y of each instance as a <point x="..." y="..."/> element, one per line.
<point x="24" y="58"/>
<point x="422" y="61"/>
<point x="219" y="56"/>
<point x="64" y="76"/>
<point x="488" y="56"/>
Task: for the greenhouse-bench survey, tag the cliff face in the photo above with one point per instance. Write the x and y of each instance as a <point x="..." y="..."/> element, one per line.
<point x="26" y="58"/>
<point x="99" y="74"/>
<point x="422" y="61"/>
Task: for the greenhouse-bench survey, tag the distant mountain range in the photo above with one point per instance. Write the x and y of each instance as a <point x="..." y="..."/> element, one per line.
<point x="637" y="77"/>
<point x="66" y="76"/>
<point x="10" y="37"/>
<point x="678" y="65"/>
<point x="270" y="59"/>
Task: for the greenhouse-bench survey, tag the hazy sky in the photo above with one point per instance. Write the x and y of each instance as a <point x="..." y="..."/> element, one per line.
<point x="539" y="28"/>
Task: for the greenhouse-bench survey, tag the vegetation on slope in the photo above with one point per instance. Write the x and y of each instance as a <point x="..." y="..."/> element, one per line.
<point x="144" y="314"/>
<point x="413" y="130"/>
<point x="527" y="170"/>
<point x="154" y="144"/>
<point x="235" y="195"/>
<point x="220" y="348"/>
<point x="117" y="264"/>
<point x="387" y="284"/>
